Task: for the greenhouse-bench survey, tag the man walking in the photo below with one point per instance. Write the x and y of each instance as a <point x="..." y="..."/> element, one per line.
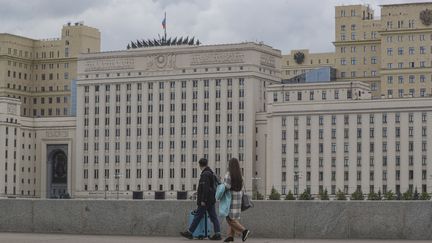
<point x="206" y="202"/>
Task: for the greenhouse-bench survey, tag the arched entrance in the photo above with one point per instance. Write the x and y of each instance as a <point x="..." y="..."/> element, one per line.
<point x="57" y="171"/>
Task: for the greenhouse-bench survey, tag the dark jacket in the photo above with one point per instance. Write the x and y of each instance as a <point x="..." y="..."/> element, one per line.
<point x="206" y="191"/>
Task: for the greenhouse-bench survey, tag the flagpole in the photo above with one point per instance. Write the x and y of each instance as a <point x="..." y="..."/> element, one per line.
<point x="165" y="29"/>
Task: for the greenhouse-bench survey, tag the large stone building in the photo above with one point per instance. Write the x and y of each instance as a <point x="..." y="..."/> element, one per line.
<point x="335" y="136"/>
<point x="146" y="116"/>
<point x="36" y="129"/>
<point x="39" y="72"/>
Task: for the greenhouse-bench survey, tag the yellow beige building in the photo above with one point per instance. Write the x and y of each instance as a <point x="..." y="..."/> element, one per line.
<point x="390" y="53"/>
<point x="39" y="72"/>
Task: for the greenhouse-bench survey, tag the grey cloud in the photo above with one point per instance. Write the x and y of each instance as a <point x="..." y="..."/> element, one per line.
<point x="283" y="24"/>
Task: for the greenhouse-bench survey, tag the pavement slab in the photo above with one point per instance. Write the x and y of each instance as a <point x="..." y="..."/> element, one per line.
<point x="66" y="238"/>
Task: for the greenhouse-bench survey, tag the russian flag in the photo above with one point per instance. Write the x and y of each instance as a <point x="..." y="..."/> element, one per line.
<point x="164" y="22"/>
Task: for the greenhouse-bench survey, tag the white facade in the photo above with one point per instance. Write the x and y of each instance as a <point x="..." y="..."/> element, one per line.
<point x="149" y="114"/>
<point x="346" y="143"/>
<point x="26" y="166"/>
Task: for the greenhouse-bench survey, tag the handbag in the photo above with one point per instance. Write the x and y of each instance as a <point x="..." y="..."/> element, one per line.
<point x="246" y="201"/>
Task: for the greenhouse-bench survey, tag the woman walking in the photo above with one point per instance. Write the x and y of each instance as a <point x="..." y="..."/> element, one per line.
<point x="234" y="182"/>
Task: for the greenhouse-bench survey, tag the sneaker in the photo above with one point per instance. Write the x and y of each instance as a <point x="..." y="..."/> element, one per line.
<point x="229" y="239"/>
<point x="187" y="234"/>
<point x="216" y="236"/>
<point x="245" y="234"/>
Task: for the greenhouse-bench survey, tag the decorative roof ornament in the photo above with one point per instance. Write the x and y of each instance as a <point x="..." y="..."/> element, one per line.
<point x="164" y="41"/>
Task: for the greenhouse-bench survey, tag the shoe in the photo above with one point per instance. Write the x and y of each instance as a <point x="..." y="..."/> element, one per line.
<point x="245" y="234"/>
<point x="187" y="234"/>
<point x="216" y="237"/>
<point x="229" y="239"/>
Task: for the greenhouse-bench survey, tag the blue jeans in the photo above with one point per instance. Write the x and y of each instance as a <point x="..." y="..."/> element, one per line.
<point x="211" y="210"/>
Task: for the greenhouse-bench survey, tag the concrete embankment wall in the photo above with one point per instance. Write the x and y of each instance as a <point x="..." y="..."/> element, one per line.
<point x="269" y="219"/>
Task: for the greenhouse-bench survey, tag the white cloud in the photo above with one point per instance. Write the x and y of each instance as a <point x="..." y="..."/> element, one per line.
<point x="283" y="24"/>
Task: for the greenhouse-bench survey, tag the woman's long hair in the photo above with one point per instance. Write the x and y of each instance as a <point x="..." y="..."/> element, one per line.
<point x="235" y="174"/>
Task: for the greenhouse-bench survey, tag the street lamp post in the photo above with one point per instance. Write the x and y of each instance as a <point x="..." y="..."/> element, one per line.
<point x="117" y="176"/>
<point x="105" y="190"/>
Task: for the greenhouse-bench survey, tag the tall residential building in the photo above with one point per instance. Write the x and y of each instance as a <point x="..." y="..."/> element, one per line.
<point x="39" y="72"/>
<point x="391" y="53"/>
<point x="334" y="136"/>
<point x="145" y="116"/>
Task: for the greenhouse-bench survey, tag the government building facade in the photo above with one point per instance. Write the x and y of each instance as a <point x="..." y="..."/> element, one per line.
<point x="78" y="122"/>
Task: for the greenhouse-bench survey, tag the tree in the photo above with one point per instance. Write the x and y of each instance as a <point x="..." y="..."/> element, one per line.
<point x="289" y="196"/>
<point x="374" y="196"/>
<point x="340" y="195"/>
<point x="416" y="195"/>
<point x="408" y="195"/>
<point x="357" y="195"/>
<point x="257" y="196"/>
<point x="389" y="195"/>
<point x="425" y="196"/>
<point x="274" y="195"/>
<point x="305" y="195"/>
<point x="324" y="195"/>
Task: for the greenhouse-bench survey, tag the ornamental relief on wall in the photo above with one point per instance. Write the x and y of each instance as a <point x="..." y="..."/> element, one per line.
<point x="57" y="133"/>
<point x="109" y="64"/>
<point x="217" y="58"/>
<point x="12" y="109"/>
<point x="161" y="62"/>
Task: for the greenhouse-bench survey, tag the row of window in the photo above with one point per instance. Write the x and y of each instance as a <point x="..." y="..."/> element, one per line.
<point x="127" y="158"/>
<point x="384" y="117"/>
<point x="400" y="38"/>
<point x="359" y="147"/>
<point x="411" y="92"/>
<point x="359" y="133"/>
<point x="163" y="85"/>
<point x="127" y="145"/>
<point x="371" y="161"/>
<point x="161" y="131"/>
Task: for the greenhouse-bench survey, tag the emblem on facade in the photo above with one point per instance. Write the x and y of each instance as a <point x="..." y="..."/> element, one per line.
<point x="426" y="17"/>
<point x="299" y="57"/>
<point x="161" y="62"/>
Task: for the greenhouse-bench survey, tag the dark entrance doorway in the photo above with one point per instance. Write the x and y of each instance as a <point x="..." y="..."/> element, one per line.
<point x="57" y="171"/>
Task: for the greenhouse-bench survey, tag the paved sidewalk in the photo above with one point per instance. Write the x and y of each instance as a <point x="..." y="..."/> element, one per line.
<point x="51" y="238"/>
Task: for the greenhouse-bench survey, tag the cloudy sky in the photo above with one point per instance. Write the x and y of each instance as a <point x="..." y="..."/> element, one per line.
<point x="283" y="24"/>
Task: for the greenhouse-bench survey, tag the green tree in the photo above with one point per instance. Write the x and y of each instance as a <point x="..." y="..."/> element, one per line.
<point x="340" y="195"/>
<point x="324" y="195"/>
<point x="357" y="195"/>
<point x="289" y="196"/>
<point x="374" y="196"/>
<point x="305" y="195"/>
<point x="408" y="195"/>
<point x="257" y="196"/>
<point x="274" y="195"/>
<point x="425" y="196"/>
<point x="389" y="195"/>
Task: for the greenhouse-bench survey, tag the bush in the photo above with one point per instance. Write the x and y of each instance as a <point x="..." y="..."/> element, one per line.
<point x="408" y="195"/>
<point x="389" y="195"/>
<point x="340" y="195"/>
<point x="274" y="195"/>
<point x="289" y="196"/>
<point x="324" y="195"/>
<point x="357" y="195"/>
<point x="257" y="196"/>
<point x="425" y="196"/>
<point x="374" y="196"/>
<point x="305" y="195"/>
